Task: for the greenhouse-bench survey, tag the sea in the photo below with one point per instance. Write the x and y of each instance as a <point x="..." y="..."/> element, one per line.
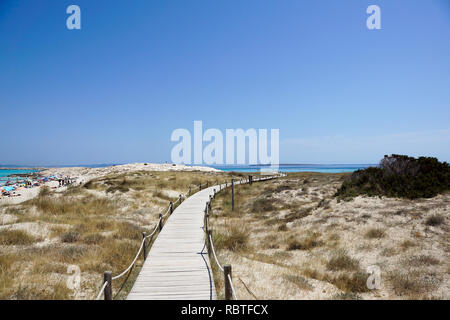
<point x="325" y="168"/>
<point x="4" y="173"/>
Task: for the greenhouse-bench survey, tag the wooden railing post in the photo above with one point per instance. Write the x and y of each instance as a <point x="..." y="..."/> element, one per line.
<point x="206" y="218"/>
<point x="226" y="272"/>
<point x="200" y="186"/>
<point x="214" y="193"/>
<point x="171" y="207"/>
<point x="107" y="277"/>
<point x="160" y="221"/>
<point x="209" y="233"/>
<point x="179" y="197"/>
<point x="144" y="252"/>
<point x="250" y="180"/>
<point x="232" y="194"/>
<point x="189" y="191"/>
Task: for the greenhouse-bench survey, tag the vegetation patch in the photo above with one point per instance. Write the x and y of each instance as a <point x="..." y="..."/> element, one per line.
<point x="342" y="261"/>
<point x="235" y="238"/>
<point x="399" y="176"/>
<point x="375" y="233"/>
<point x="299" y="281"/>
<point x="435" y="220"/>
<point x="16" y="237"/>
<point x="310" y="242"/>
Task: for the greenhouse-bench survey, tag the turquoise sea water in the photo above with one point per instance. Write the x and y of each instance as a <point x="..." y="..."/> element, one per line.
<point x="325" y="168"/>
<point x="4" y="173"/>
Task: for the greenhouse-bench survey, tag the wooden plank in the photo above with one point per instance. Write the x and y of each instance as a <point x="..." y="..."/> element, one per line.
<point x="178" y="266"/>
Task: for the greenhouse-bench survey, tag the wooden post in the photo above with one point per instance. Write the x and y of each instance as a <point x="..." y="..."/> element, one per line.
<point x="171" y="207"/>
<point x="206" y="219"/>
<point x="209" y="203"/>
<point x="144" y="252"/>
<point x="107" y="277"/>
<point x="200" y="186"/>
<point x="207" y="184"/>
<point x="250" y="180"/>
<point x="160" y="221"/>
<point x="209" y="233"/>
<point x="189" y="191"/>
<point x="214" y="193"/>
<point x="232" y="194"/>
<point x="179" y="197"/>
<point x="226" y="272"/>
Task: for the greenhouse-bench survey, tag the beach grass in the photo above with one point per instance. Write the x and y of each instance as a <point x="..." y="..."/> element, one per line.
<point x="96" y="226"/>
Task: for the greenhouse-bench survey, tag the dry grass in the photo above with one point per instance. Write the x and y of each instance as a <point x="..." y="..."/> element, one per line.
<point x="375" y="233"/>
<point x="331" y="241"/>
<point x="16" y="237"/>
<point x="307" y="243"/>
<point x="410" y="284"/>
<point x="422" y="261"/>
<point x="299" y="281"/>
<point x="342" y="261"/>
<point x="234" y="238"/>
<point x="97" y="227"/>
<point x="354" y="283"/>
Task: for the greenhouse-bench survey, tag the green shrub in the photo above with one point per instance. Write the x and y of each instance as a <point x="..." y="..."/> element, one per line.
<point x="399" y="176"/>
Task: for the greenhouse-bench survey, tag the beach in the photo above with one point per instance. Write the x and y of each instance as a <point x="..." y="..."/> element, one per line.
<point x="79" y="175"/>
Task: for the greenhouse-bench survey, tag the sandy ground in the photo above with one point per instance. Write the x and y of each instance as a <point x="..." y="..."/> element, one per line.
<point x="391" y="234"/>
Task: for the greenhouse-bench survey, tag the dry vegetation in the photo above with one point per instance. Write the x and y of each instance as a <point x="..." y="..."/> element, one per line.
<point x="96" y="226"/>
<point x="292" y="239"/>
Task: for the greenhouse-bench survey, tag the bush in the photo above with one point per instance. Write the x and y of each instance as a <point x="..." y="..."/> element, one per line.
<point x="263" y="205"/>
<point x="434" y="220"/>
<point x="375" y="233"/>
<point x="399" y="176"/>
<point x="70" y="237"/>
<point x="234" y="239"/>
<point x="342" y="261"/>
<point x="310" y="242"/>
<point x="15" y="237"/>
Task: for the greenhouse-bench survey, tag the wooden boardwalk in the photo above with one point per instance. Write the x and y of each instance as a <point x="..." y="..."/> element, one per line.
<point x="177" y="266"/>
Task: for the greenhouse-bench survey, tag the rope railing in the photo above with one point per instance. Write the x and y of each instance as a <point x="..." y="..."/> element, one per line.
<point x="101" y="290"/>
<point x="132" y="264"/>
<point x="232" y="287"/>
<point x="106" y="288"/>
<point x="214" y="253"/>
<point x="230" y="292"/>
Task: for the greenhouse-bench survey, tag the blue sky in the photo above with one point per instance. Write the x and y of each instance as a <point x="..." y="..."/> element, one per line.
<point x="116" y="89"/>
